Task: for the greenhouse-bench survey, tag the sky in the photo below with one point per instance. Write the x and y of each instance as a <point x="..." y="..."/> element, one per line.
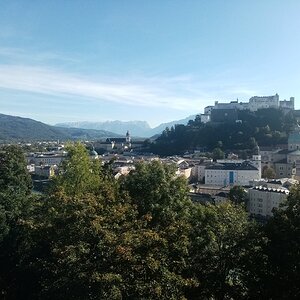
<point x="155" y="61"/>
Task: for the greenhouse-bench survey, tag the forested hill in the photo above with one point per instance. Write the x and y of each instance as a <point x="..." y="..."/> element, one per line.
<point x="266" y="127"/>
<point x="23" y="129"/>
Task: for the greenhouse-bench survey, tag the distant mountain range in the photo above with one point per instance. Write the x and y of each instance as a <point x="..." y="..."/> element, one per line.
<point x="23" y="129"/>
<point x="136" y="128"/>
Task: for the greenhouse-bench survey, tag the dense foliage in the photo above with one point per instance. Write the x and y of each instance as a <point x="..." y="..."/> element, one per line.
<point x="265" y="127"/>
<point x="92" y="237"/>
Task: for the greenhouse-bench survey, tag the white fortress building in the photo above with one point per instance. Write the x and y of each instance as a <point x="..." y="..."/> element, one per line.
<point x="255" y="103"/>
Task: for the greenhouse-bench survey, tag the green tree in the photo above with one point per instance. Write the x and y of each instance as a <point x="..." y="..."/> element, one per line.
<point x="162" y="241"/>
<point x="15" y="204"/>
<point x="102" y="245"/>
<point x="154" y="189"/>
<point x="217" y="154"/>
<point x="283" y="233"/>
<point x="238" y="195"/>
<point x="221" y="242"/>
<point x="79" y="174"/>
<point x="75" y="231"/>
<point x="252" y="143"/>
<point x="74" y="243"/>
<point x="268" y="172"/>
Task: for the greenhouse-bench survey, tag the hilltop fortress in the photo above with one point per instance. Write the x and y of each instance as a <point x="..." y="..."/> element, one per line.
<point x="228" y="110"/>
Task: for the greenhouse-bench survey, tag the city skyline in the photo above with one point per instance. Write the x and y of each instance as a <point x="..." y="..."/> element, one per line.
<point x="158" y="61"/>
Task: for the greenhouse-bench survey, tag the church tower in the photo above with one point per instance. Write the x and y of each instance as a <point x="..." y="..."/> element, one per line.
<point x="256" y="159"/>
<point x="128" y="137"/>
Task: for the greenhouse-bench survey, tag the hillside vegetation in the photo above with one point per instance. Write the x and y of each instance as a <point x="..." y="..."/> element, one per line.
<point x="23" y="129"/>
<point x="266" y="127"/>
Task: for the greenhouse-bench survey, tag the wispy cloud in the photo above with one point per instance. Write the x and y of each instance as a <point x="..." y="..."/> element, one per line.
<point x="53" y="82"/>
<point x="12" y="54"/>
<point x="180" y="92"/>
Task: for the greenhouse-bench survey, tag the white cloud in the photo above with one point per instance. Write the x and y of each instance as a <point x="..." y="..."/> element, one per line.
<point x="151" y="92"/>
<point x="177" y="92"/>
<point x="34" y="56"/>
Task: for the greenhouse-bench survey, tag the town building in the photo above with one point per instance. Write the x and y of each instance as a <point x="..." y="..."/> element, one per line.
<point x="198" y="169"/>
<point x="115" y="144"/>
<point x="45" y="171"/>
<point x="285" y="162"/>
<point x="46" y="158"/>
<point x="238" y="173"/>
<point x="263" y="200"/>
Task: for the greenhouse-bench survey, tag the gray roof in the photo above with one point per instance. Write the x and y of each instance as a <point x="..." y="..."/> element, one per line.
<point x="282" y="161"/>
<point x="296" y="152"/>
<point x="233" y="166"/>
<point x="265" y="189"/>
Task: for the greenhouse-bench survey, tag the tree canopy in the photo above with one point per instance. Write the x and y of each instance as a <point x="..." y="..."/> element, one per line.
<point x="139" y="237"/>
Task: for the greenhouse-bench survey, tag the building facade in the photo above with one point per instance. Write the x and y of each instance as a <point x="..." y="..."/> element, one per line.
<point x="263" y="200"/>
<point x="46" y="158"/>
<point x="222" y="174"/>
<point x="256" y="102"/>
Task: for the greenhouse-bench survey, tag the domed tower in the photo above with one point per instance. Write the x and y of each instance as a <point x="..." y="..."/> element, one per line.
<point x="93" y="154"/>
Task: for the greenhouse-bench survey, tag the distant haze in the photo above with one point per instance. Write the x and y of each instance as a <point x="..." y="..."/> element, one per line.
<point x="136" y="128"/>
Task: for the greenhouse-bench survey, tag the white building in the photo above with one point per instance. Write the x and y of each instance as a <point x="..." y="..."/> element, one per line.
<point x="231" y="105"/>
<point x="263" y="200"/>
<point x="255" y="161"/>
<point x="183" y="168"/>
<point x="285" y="104"/>
<point x="257" y="102"/>
<point x="47" y="158"/>
<point x="284" y="169"/>
<point x="198" y="169"/>
<point x="205" y="118"/>
<point x="223" y="174"/>
<point x="208" y="109"/>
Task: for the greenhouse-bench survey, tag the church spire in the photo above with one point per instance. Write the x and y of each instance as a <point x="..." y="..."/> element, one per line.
<point x="128" y="137"/>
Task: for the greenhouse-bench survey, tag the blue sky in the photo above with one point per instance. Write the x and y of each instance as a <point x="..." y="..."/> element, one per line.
<point x="157" y="60"/>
